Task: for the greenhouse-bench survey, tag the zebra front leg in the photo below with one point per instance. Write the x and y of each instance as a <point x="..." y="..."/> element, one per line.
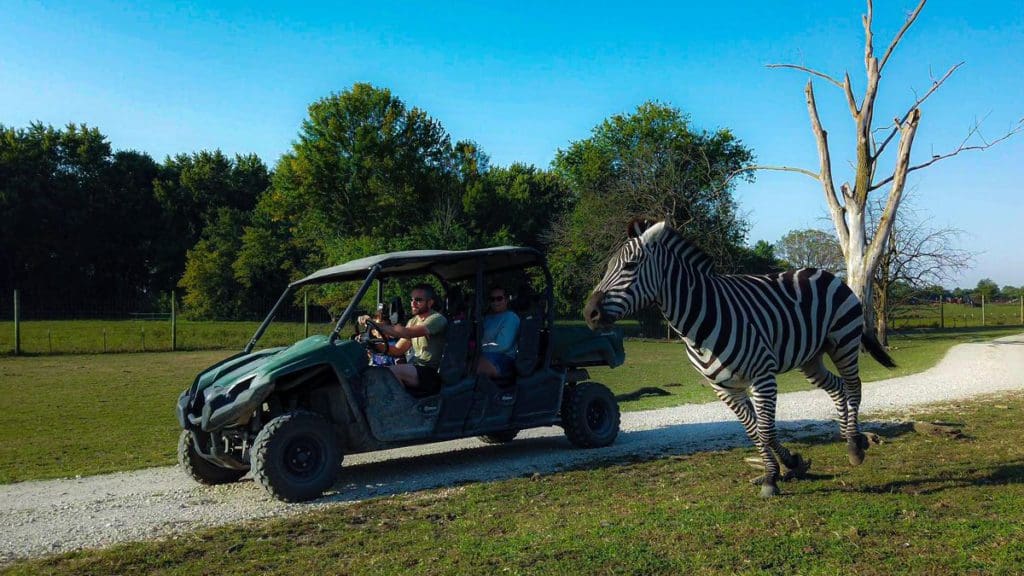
<point x="739" y="403"/>
<point x="764" y="394"/>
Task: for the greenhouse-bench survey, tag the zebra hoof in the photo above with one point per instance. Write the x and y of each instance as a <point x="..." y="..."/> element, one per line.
<point x="769" y="489"/>
<point x="854" y="451"/>
<point x="797" y="467"/>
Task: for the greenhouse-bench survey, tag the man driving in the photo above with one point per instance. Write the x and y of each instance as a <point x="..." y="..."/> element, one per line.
<point x="424" y="333"/>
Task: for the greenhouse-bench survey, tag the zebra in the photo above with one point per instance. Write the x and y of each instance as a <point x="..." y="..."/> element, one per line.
<point x="742" y="330"/>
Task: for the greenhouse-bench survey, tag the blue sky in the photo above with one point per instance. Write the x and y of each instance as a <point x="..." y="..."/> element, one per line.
<point x="527" y="79"/>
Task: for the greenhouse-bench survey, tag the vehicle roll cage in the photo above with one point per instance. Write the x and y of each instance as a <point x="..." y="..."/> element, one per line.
<point x="418" y="262"/>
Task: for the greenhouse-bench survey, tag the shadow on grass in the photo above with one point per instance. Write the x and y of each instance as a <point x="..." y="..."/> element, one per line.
<point x="466" y="462"/>
<point x="1012" y="473"/>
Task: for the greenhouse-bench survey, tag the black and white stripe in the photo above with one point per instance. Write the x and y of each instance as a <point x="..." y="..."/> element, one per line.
<point x="742" y="330"/>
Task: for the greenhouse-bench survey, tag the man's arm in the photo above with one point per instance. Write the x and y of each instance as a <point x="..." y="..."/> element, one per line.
<point x="399" y="348"/>
<point x="405" y="332"/>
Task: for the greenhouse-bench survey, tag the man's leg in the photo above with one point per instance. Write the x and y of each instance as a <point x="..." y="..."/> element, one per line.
<point x="406" y="374"/>
<point x="485" y="367"/>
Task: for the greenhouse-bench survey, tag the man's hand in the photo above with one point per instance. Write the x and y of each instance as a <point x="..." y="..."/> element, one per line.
<point x="362" y="320"/>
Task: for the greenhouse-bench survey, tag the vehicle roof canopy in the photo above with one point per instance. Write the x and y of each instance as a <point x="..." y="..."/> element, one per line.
<point x="451" y="265"/>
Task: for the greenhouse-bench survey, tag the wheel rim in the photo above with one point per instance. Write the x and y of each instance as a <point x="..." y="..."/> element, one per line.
<point x="302" y="457"/>
<point x="598" y="419"/>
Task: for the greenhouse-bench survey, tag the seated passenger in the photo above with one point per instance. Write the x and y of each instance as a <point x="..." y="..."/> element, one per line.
<point x="379" y="356"/>
<point x="424" y="334"/>
<point x="498" y="347"/>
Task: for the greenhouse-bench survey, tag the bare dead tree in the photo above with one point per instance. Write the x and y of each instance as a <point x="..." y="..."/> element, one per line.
<point x="916" y="255"/>
<point x="863" y="248"/>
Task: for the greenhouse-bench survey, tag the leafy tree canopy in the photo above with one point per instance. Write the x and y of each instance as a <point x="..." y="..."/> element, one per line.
<point x="812" y="248"/>
<point x="649" y="162"/>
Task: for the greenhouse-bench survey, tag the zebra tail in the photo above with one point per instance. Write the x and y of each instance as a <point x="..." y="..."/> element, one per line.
<point x="874" y="347"/>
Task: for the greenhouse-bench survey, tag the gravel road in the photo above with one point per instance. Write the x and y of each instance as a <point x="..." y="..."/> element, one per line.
<point x="51" y="516"/>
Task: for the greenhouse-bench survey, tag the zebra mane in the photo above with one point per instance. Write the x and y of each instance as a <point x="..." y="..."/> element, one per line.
<point x="663" y="234"/>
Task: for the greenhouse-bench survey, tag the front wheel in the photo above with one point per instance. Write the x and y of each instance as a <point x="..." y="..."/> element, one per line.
<point x="200" y="469"/>
<point x="296" y="456"/>
<point x="590" y="415"/>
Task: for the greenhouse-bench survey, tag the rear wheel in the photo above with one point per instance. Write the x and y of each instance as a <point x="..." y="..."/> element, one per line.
<point x="296" y="456"/>
<point x="200" y="469"/>
<point x="590" y="415"/>
<point x="503" y="437"/>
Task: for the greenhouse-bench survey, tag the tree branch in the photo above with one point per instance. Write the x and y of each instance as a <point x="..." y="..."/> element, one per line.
<point x="899" y="121"/>
<point x="809" y="71"/>
<point x="825" y="164"/>
<point x="753" y="168"/>
<point x="899" y="35"/>
<point x="963" y="147"/>
<point x="899" y="181"/>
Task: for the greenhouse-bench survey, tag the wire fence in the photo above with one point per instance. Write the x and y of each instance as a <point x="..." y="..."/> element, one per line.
<point x="56" y="323"/>
<point x="60" y="323"/>
<point x="940" y="315"/>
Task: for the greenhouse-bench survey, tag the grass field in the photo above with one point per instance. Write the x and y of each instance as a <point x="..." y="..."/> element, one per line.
<point x="956" y="316"/>
<point x="919" y="505"/>
<point x="90" y="414"/>
<point x="97" y="336"/>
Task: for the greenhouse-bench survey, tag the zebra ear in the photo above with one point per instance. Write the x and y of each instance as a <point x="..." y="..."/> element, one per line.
<point x="637" y="226"/>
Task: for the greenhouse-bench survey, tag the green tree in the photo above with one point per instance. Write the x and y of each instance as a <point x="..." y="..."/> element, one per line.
<point x="363" y="164"/>
<point x="811" y="248"/>
<point x="1012" y="292"/>
<point x="366" y="174"/>
<point x="516" y="203"/>
<point x="76" y="219"/>
<point x="649" y="162"/>
<point x="212" y="291"/>
<point x="987" y="288"/>
<point x="192" y="189"/>
<point x="760" y="259"/>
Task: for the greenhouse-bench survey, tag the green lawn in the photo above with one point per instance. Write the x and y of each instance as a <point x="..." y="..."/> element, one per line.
<point x="919" y="505"/>
<point x="663" y="364"/>
<point x="956" y="316"/>
<point x="91" y="414"/>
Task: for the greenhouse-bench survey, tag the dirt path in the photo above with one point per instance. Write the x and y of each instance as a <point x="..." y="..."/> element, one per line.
<point x="60" y="515"/>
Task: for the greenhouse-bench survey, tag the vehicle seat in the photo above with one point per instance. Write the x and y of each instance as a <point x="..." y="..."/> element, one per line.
<point x="531" y="328"/>
<point x="455" y="303"/>
<point x="456" y="351"/>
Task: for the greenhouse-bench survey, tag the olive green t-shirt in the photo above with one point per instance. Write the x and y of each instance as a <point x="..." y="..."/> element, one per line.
<point x="428" y="349"/>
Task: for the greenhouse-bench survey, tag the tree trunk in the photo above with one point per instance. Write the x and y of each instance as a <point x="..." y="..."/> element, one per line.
<point x="859" y="280"/>
<point x="882" y="316"/>
<point x="858" y="275"/>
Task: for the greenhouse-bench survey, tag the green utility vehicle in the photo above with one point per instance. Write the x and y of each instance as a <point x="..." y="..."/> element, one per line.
<point x="290" y="414"/>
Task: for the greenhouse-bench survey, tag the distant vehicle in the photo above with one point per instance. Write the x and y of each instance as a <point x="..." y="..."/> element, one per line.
<point x="291" y="414"/>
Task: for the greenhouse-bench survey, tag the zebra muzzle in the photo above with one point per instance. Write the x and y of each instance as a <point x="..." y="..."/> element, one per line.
<point x="592" y="312"/>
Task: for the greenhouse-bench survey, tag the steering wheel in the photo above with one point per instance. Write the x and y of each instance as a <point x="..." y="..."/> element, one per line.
<point x="372" y="341"/>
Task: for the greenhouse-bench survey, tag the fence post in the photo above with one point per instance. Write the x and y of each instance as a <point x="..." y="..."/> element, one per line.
<point x="17" y="324"/>
<point x="942" y="313"/>
<point x="983" y="310"/>
<point x="305" y="313"/>
<point x="174" y="324"/>
<point x="1020" y="296"/>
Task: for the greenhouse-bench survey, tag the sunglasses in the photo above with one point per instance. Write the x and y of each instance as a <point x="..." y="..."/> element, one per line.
<point x="497" y="298"/>
<point x="418" y="299"/>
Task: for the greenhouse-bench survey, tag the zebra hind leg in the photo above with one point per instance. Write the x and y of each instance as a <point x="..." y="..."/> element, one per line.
<point x="739" y="403"/>
<point x="817" y="374"/>
<point x="846" y="362"/>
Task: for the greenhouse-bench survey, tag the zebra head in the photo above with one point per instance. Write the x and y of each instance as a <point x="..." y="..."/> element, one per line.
<point x="632" y="278"/>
